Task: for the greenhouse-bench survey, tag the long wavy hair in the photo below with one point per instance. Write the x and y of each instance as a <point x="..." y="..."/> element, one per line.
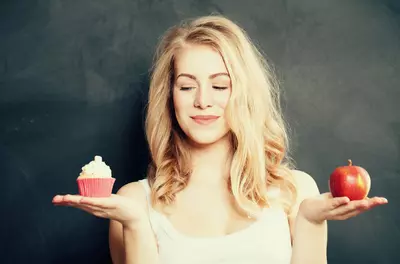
<point x="258" y="130"/>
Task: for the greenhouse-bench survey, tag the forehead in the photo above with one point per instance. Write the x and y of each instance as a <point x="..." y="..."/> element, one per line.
<point x="199" y="60"/>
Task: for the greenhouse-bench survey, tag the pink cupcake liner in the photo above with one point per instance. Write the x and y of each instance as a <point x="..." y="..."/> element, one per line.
<point x="95" y="187"/>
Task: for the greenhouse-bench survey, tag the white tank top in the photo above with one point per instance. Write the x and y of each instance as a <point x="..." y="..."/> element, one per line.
<point x="266" y="241"/>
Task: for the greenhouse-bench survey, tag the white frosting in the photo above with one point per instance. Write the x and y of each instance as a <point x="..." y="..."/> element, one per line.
<point x="97" y="168"/>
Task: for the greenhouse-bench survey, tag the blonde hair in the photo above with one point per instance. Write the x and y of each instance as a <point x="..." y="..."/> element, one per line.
<point x="259" y="136"/>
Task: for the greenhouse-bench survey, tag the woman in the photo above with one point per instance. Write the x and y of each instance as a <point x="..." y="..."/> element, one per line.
<point x="220" y="187"/>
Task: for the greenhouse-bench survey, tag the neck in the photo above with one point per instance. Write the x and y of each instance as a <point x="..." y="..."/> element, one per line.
<point x="211" y="163"/>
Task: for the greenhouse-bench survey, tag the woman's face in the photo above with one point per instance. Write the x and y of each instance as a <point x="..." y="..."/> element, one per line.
<point x="201" y="92"/>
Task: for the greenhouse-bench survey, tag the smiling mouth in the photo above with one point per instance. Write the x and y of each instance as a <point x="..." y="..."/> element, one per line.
<point x="204" y="120"/>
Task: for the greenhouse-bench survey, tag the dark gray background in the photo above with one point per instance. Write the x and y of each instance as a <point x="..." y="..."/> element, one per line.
<point x="74" y="80"/>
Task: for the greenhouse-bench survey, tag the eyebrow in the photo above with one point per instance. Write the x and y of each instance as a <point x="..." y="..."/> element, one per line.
<point x="212" y="76"/>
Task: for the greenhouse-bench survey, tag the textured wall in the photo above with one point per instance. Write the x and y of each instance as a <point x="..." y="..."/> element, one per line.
<point x="74" y="79"/>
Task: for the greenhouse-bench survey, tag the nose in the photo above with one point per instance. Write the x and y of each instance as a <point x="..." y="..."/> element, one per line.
<point x="203" y="98"/>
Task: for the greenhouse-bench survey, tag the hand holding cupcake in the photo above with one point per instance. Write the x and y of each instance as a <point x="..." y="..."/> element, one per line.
<point x="95" y="184"/>
<point x="95" y="180"/>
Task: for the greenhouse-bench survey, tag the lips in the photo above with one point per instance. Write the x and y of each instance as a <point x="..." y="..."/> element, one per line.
<point x="204" y="119"/>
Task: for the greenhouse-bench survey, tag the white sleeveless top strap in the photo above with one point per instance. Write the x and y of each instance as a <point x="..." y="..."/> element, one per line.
<point x="153" y="215"/>
<point x="266" y="241"/>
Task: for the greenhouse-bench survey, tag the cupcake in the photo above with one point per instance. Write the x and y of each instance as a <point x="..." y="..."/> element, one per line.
<point x="95" y="179"/>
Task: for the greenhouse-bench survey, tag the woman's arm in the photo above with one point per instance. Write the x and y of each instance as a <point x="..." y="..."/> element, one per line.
<point x="135" y="243"/>
<point x="312" y="210"/>
<point x="309" y="240"/>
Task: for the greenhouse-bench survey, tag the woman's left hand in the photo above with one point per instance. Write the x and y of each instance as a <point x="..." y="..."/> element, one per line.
<point x="325" y="207"/>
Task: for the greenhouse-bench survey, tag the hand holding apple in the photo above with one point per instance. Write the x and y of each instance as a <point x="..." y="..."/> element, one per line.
<point x="351" y="181"/>
<point x="349" y="186"/>
<point x="325" y="207"/>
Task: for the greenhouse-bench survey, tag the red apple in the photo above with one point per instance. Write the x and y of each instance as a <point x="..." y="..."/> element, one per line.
<point x="351" y="181"/>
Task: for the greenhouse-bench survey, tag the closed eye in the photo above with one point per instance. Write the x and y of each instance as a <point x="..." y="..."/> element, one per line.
<point x="186" y="88"/>
<point x="220" y="87"/>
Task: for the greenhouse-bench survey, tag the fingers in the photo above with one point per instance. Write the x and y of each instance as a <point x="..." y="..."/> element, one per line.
<point x="338" y="202"/>
<point x="349" y="215"/>
<point x="103" y="203"/>
<point x="74" y="200"/>
<point x="87" y="204"/>
<point x="66" y="199"/>
<point x="349" y="208"/>
<point x="355" y="208"/>
<point x="57" y="199"/>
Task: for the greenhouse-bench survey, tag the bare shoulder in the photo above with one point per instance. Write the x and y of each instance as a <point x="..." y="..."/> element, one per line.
<point x="305" y="184"/>
<point x="137" y="193"/>
<point x="134" y="190"/>
<point x="306" y="187"/>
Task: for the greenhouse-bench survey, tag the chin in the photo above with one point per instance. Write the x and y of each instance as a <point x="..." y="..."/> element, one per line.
<point x="205" y="139"/>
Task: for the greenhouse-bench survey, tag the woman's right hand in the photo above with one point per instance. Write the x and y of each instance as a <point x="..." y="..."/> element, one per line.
<point x="116" y="207"/>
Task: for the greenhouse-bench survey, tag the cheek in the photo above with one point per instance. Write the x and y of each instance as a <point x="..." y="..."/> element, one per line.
<point x="181" y="103"/>
<point x="222" y="99"/>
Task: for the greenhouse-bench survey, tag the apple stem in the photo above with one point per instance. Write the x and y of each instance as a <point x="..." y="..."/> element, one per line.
<point x="350" y="162"/>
